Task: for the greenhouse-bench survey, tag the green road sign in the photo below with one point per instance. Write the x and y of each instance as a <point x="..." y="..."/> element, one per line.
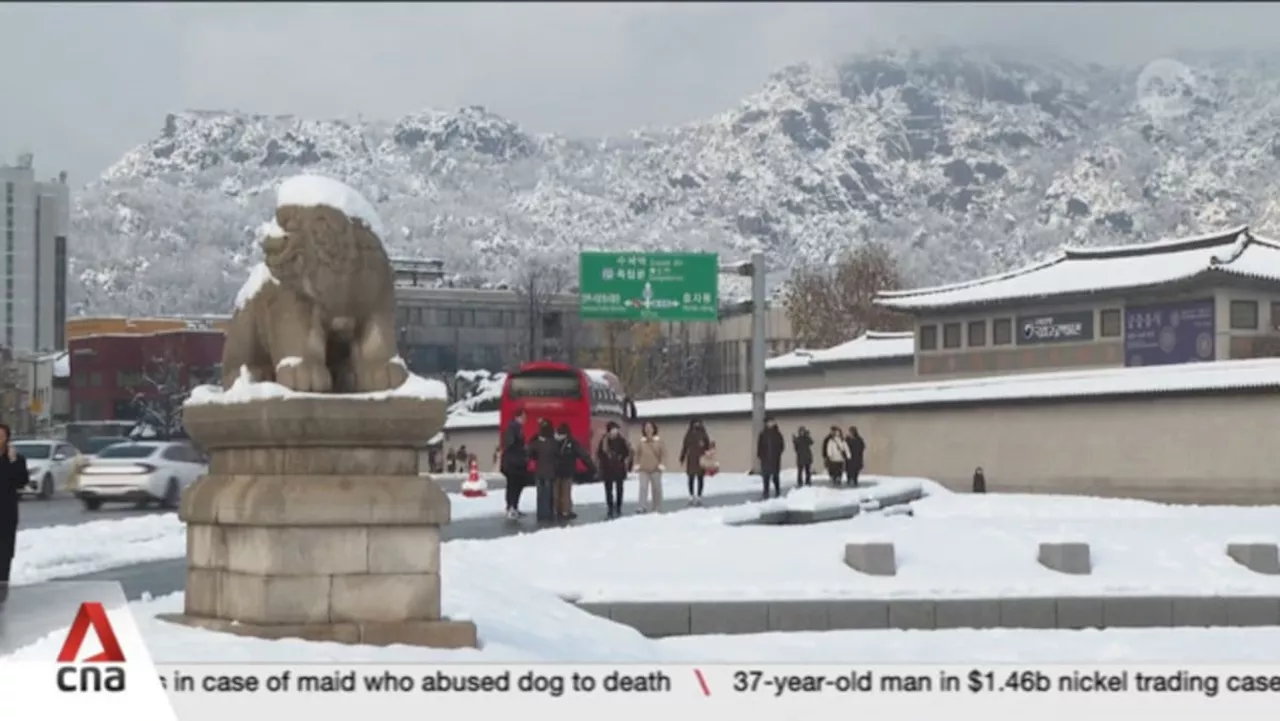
<point x="649" y="286"/>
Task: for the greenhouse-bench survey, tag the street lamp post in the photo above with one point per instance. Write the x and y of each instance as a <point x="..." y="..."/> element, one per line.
<point x="755" y="270"/>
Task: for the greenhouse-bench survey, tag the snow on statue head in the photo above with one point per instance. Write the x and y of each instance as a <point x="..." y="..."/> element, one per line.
<point x="319" y="315"/>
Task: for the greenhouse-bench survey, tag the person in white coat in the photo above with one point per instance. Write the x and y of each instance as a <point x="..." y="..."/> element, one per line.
<point x="835" y="454"/>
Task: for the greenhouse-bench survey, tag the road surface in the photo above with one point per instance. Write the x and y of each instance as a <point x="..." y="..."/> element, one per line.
<point x="63" y="510"/>
<point x="160" y="578"/>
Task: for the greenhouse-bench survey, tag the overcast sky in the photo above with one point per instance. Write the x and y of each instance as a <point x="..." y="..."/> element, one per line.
<point x="81" y="84"/>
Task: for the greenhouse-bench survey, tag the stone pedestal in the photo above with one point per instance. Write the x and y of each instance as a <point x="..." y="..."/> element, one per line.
<point x="314" y="523"/>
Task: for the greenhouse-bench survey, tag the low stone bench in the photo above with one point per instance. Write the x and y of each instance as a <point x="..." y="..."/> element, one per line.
<point x="1071" y="557"/>
<point x="874" y="558"/>
<point x="1257" y="556"/>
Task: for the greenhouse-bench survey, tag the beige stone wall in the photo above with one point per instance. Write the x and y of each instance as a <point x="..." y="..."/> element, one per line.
<point x="1208" y="449"/>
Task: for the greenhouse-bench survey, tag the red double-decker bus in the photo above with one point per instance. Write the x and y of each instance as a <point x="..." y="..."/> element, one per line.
<point x="561" y="393"/>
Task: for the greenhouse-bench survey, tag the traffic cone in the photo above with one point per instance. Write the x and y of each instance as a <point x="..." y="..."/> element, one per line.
<point x="474" y="486"/>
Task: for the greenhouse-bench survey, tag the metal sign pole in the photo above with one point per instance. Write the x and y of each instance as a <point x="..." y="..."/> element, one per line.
<point x="759" y="330"/>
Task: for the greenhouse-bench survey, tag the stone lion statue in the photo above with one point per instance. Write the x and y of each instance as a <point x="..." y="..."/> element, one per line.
<point x="319" y="315"/>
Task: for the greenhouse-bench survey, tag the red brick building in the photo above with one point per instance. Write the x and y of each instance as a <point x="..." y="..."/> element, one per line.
<point x="109" y="371"/>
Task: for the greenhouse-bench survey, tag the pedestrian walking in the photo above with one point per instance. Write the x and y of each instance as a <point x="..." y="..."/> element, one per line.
<point x="979" y="480"/>
<point x="451" y="461"/>
<point x="614" y="456"/>
<point x="803" y="443"/>
<point x="515" y="462"/>
<point x="835" y="453"/>
<point x="13" y="477"/>
<point x="857" y="450"/>
<point x="770" y="446"/>
<point x="569" y="453"/>
<point x="651" y="462"/>
<point x="544" y="450"/>
<point x="692" y="448"/>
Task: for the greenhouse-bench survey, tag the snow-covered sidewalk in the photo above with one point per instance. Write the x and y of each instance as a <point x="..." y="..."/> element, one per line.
<point x="65" y="551"/>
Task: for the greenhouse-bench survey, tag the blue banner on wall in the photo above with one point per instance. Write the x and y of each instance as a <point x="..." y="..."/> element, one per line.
<point x="1169" y="333"/>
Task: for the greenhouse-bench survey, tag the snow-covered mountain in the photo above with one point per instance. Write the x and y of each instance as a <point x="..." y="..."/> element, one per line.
<point x="962" y="161"/>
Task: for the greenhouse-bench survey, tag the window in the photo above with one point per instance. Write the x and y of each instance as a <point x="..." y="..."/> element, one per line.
<point x="128" y="379"/>
<point x="1109" y="322"/>
<point x="124" y="410"/>
<point x="95" y="379"/>
<point x="1275" y="316"/>
<point x="1244" y="314"/>
<point x="1002" y="331"/>
<point x="977" y="333"/>
<point x="128" y="450"/>
<point x="951" y="335"/>
<point x="553" y="324"/>
<point x="928" y="337"/>
<point x="181" y="453"/>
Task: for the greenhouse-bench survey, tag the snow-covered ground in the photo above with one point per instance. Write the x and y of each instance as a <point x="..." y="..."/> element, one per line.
<point x="1160" y="548"/>
<point x="62" y="551"/>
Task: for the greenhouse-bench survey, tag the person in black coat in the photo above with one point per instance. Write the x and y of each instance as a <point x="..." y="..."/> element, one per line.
<point x="13" y="477"/>
<point x="514" y="464"/>
<point x="544" y="452"/>
<point x="614" y="455"/>
<point x="979" y="480"/>
<point x="803" y="443"/>
<point x="769" y="448"/>
<point x="570" y="452"/>
<point x="857" y="449"/>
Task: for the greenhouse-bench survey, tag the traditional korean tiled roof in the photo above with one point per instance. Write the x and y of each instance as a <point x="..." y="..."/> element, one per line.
<point x="874" y="345"/>
<point x="1081" y="271"/>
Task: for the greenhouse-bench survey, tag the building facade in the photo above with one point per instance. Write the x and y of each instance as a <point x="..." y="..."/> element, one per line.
<point x="1213" y="297"/>
<point x="36" y="219"/>
<point x="109" y="372"/>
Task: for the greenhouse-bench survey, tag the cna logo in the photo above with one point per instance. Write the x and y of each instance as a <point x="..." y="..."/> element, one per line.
<point x="94" y="677"/>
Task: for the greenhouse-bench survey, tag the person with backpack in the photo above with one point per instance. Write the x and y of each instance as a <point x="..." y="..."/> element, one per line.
<point x="614" y="457"/>
<point x="770" y="445"/>
<point x="692" y="449"/>
<point x="803" y="443"/>
<point x="568" y="454"/>
<point x="857" y="449"/>
<point x="514" y="464"/>
<point x="835" y="453"/>
<point x="651" y="460"/>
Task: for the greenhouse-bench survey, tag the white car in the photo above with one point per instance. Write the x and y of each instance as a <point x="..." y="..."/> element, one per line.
<point x="141" y="472"/>
<point x="51" y="465"/>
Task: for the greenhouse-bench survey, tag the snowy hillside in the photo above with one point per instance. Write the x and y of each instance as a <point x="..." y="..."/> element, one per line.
<point x="960" y="161"/>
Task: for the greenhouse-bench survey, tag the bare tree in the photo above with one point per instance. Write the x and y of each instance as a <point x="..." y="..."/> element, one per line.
<point x="162" y="388"/>
<point x="831" y="305"/>
<point x="536" y="286"/>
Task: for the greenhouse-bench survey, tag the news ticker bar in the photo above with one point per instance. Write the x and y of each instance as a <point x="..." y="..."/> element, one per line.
<point x="720" y="681"/>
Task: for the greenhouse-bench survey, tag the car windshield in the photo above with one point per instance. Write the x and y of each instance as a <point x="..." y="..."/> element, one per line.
<point x="34" y="451"/>
<point x="128" y="450"/>
<point x="94" y="446"/>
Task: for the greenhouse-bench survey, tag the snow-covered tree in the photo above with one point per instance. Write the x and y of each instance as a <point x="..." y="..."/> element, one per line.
<point x="163" y="388"/>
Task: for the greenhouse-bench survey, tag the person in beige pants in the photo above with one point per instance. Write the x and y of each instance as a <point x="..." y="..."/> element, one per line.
<point x="651" y="459"/>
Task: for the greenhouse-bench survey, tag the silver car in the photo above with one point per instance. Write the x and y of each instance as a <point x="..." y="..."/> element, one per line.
<point x="51" y="465"/>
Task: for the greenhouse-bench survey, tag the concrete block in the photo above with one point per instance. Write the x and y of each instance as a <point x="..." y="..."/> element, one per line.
<point x="1028" y="613"/>
<point x="1070" y="558"/>
<point x="1137" y="612"/>
<point x="1199" y="612"/>
<point x="1080" y="612"/>
<point x="385" y="597"/>
<point x="1257" y="557"/>
<point x="203" y="594"/>
<point x="857" y="614"/>
<point x="717" y="617"/>
<point x="290" y="551"/>
<point x="404" y="549"/>
<point x="912" y="614"/>
<point x="1253" y="611"/>
<point x="654" y="620"/>
<point x="834" y="513"/>
<point x="250" y="598"/>
<point x="206" y="546"/>
<point x="799" y="615"/>
<point x="966" y="613"/>
<point x="875" y="559"/>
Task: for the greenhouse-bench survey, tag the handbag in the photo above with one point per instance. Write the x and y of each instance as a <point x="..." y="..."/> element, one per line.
<point x="710" y="465"/>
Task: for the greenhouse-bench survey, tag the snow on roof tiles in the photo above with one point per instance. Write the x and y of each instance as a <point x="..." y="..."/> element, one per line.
<point x="873" y="345"/>
<point x="1108" y="382"/>
<point x="1092" y="270"/>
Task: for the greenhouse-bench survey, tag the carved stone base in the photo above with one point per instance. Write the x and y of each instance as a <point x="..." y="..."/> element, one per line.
<point x="434" y="634"/>
<point x="314" y="523"/>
